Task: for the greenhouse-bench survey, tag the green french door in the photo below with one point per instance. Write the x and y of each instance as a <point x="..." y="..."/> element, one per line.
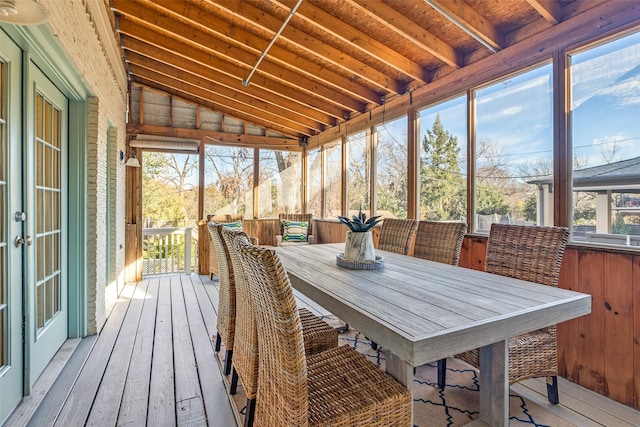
<point x="46" y="200"/>
<point x="11" y="226"/>
<point x="33" y="223"/>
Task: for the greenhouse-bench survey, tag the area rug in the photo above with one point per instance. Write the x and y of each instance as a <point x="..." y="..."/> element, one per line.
<point x="457" y="405"/>
<point x="459" y="402"/>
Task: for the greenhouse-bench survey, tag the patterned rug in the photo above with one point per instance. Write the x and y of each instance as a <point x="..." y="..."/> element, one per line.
<point x="457" y="405"/>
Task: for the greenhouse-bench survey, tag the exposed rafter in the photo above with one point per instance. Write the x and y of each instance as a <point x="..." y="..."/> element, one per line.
<point x="312" y="46"/>
<point x="335" y="60"/>
<point x="550" y="10"/>
<point x="408" y="29"/>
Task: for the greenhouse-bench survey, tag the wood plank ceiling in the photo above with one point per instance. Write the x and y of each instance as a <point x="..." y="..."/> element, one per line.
<point x="300" y="67"/>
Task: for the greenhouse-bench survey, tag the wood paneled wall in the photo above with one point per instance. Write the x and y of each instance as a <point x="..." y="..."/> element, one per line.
<point x="600" y="351"/>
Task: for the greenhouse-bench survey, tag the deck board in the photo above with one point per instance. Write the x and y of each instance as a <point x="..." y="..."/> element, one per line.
<point x="158" y="340"/>
<point x="133" y="407"/>
<point x="161" y="410"/>
<point x="203" y="348"/>
<point x="106" y="404"/>
<point x="189" y="402"/>
<point x="80" y="399"/>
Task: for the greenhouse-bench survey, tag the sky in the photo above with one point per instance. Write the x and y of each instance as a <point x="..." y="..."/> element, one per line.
<point x="515" y="114"/>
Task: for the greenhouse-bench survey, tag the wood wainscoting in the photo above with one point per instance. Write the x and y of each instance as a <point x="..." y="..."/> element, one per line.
<point x="600" y="351"/>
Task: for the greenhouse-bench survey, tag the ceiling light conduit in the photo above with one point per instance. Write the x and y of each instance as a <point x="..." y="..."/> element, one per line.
<point x="456" y="21"/>
<point x="246" y="81"/>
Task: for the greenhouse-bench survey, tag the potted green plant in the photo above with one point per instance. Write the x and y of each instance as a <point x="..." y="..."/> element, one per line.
<point x="359" y="243"/>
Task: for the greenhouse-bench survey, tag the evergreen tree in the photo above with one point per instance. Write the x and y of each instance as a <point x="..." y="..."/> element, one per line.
<point x="442" y="186"/>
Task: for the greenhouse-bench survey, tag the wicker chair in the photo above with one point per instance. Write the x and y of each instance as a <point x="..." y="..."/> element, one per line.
<point x="334" y="387"/>
<point x="439" y="241"/>
<point x="213" y="256"/>
<point x="396" y="235"/>
<point x="226" y="320"/>
<point x="535" y="254"/>
<point x="317" y="334"/>
<point x="308" y="218"/>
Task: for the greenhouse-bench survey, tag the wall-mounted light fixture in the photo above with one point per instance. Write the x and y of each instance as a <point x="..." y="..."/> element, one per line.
<point x="133" y="161"/>
<point x="22" y="12"/>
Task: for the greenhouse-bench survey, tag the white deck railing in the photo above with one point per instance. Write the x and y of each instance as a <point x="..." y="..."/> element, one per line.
<point x="169" y="250"/>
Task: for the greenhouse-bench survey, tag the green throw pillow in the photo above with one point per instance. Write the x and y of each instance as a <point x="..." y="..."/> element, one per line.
<point x="295" y="231"/>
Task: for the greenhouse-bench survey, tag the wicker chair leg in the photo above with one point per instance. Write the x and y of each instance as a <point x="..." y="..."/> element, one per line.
<point x="250" y="412"/>
<point x="552" y="390"/>
<point x="218" y="342"/>
<point x="227" y="361"/>
<point x="210" y="276"/>
<point x="233" y="387"/>
<point x="442" y="373"/>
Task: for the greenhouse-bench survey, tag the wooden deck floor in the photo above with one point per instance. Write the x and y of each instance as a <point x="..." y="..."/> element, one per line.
<point x="153" y="364"/>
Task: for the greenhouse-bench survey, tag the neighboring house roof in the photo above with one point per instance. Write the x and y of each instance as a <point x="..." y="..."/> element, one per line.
<point x="621" y="176"/>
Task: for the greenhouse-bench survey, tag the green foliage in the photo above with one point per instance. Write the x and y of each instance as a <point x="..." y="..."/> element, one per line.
<point x="530" y="211"/>
<point x="359" y="223"/>
<point x="584" y="215"/>
<point x="620" y="227"/>
<point x="489" y="201"/>
<point x="391" y="202"/>
<point x="168" y="197"/>
<point x="442" y="185"/>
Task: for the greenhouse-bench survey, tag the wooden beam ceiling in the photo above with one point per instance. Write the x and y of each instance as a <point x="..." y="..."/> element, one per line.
<point x="335" y="60"/>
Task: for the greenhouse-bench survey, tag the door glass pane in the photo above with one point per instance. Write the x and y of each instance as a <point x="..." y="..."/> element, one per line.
<point x="48" y="270"/>
<point x="4" y="333"/>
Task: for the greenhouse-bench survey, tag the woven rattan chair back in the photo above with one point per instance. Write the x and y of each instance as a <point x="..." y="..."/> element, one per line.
<point x="226" y="320"/>
<point x="227" y="301"/>
<point x="440" y="241"/>
<point x="245" y="357"/>
<point x="526" y="252"/>
<point x="283" y="394"/>
<point x="396" y="235"/>
<point x="213" y="220"/>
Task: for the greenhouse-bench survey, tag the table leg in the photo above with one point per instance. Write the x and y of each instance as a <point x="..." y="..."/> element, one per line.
<point x="494" y="384"/>
<point x="399" y="369"/>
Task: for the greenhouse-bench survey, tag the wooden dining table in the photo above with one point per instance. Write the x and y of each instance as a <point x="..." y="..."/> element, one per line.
<point x="421" y="311"/>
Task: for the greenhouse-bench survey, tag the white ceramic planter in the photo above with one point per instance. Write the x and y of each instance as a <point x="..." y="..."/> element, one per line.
<point x="359" y="246"/>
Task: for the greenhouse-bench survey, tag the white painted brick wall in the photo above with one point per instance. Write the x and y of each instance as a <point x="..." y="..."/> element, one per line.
<point x="76" y="31"/>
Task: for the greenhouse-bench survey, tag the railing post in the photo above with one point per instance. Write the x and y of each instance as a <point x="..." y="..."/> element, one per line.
<point x="187" y="250"/>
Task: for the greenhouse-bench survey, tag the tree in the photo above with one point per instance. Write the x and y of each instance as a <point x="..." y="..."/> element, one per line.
<point x="169" y="195"/>
<point x="442" y="185"/>
<point x="489" y="201"/>
<point x="232" y="170"/>
<point x="391" y="168"/>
